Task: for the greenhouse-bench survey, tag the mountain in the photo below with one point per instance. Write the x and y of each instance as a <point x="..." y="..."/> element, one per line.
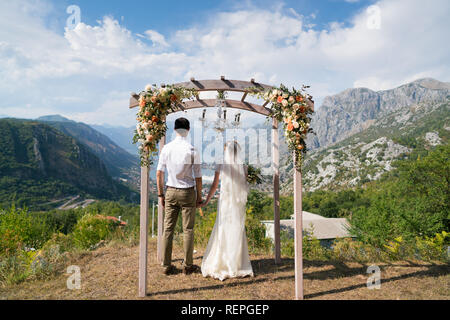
<point x="119" y="163"/>
<point x="40" y="164"/>
<point x="365" y="131"/>
<point x="353" y="110"/>
<point x="120" y="135"/>
<point x="55" y="117"/>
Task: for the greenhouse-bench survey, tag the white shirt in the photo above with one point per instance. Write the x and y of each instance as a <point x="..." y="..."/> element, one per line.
<point x="182" y="162"/>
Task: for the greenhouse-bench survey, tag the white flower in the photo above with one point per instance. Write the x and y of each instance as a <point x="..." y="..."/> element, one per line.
<point x="291" y="99"/>
<point x="295" y="124"/>
<point x="148" y="87"/>
<point x="284" y="103"/>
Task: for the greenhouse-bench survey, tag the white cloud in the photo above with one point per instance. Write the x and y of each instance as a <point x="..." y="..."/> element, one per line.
<point x="87" y="73"/>
<point x="156" y="38"/>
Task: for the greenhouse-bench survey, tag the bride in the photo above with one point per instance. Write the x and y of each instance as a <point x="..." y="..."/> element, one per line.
<point x="226" y="254"/>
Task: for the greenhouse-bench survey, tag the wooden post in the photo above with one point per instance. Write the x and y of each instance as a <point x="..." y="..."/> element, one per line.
<point x="276" y="190"/>
<point x="298" y="233"/>
<point x="159" y="253"/>
<point x="143" y="231"/>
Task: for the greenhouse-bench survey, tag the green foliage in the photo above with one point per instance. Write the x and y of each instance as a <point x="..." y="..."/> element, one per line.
<point x="340" y="204"/>
<point x="25" y="265"/>
<point x="254" y="175"/>
<point x="55" y="233"/>
<point x="14" y="268"/>
<point x="203" y="228"/>
<point x="413" y="201"/>
<point x="260" y="204"/>
<point x="256" y="234"/>
<point x="312" y="248"/>
<point x="18" y="229"/>
<point x="91" y="229"/>
<point x="432" y="248"/>
<point x="40" y="166"/>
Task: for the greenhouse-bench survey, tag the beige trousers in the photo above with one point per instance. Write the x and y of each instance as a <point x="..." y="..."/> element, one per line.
<point x="177" y="200"/>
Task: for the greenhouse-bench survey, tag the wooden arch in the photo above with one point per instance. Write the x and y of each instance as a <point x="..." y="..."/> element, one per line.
<point x="235" y="86"/>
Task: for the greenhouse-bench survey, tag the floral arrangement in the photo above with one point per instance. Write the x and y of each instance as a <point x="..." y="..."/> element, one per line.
<point x="155" y="103"/>
<point x="290" y="108"/>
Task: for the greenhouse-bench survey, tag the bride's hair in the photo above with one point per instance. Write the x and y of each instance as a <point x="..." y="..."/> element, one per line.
<point x="236" y="148"/>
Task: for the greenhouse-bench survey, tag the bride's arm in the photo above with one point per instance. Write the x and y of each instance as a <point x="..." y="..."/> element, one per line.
<point x="214" y="186"/>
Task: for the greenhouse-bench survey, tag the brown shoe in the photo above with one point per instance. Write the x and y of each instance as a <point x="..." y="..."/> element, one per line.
<point x="191" y="269"/>
<point x="169" y="270"/>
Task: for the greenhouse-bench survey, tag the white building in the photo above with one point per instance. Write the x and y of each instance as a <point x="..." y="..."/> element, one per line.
<point x="324" y="229"/>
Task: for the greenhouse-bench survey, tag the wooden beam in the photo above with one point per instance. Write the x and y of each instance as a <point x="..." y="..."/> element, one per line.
<point x="134" y="100"/>
<point x="276" y="190"/>
<point x="143" y="231"/>
<point x="225" y="84"/>
<point x="236" y="104"/>
<point x="244" y="96"/>
<point x="159" y="253"/>
<point x="216" y="85"/>
<point x="298" y="231"/>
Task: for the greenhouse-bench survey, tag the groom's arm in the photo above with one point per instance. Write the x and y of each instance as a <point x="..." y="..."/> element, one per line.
<point x="160" y="185"/>
<point x="199" y="186"/>
<point x="160" y="176"/>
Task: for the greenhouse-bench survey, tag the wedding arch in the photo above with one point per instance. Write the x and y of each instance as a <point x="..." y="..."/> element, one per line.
<point x="177" y="104"/>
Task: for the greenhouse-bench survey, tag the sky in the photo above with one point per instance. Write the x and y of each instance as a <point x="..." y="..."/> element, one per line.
<point x="85" y="70"/>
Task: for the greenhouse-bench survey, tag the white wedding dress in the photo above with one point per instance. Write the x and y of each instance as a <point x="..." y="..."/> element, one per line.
<point x="226" y="254"/>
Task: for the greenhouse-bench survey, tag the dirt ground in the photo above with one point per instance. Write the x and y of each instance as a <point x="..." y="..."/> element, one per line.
<point x="112" y="273"/>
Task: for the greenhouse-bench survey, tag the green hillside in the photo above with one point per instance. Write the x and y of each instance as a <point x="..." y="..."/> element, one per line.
<point x="39" y="165"/>
<point x="118" y="162"/>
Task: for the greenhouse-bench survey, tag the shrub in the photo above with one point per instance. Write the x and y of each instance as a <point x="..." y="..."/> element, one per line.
<point x="312" y="249"/>
<point x="13" y="268"/>
<point x="347" y="249"/>
<point x="91" y="229"/>
<point x="256" y="234"/>
<point x="203" y="228"/>
<point x="19" y="229"/>
<point x="287" y="244"/>
<point x="433" y="248"/>
<point x="64" y="242"/>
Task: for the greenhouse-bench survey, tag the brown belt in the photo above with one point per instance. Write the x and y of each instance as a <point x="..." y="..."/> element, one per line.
<point x="168" y="187"/>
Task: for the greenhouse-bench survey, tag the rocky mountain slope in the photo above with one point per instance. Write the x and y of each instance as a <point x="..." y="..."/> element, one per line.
<point x="353" y="110"/>
<point x="366" y="155"/>
<point x="39" y="163"/>
<point x="119" y="163"/>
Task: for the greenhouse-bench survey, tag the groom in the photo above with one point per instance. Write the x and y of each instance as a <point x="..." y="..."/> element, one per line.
<point x="183" y="193"/>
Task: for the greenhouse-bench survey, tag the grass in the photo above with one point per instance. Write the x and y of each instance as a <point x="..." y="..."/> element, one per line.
<point x="111" y="272"/>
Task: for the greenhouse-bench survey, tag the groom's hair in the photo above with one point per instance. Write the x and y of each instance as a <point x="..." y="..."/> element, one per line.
<point x="182" y="123"/>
